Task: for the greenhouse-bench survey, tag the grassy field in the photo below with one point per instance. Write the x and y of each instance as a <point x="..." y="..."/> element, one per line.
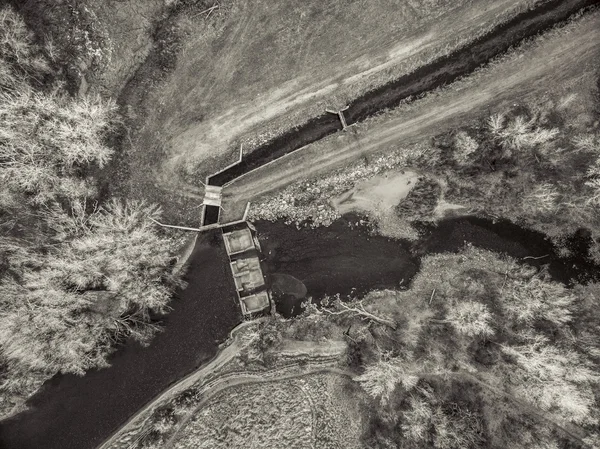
<point x="561" y="63"/>
<point x="316" y="411"/>
<point x="254" y="69"/>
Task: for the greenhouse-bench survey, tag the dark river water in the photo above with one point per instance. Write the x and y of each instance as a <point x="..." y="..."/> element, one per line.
<point x="73" y="412"/>
<point x="350" y="261"/>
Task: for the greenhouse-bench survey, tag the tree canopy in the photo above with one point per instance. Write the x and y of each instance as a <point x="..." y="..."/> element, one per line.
<point x="76" y="275"/>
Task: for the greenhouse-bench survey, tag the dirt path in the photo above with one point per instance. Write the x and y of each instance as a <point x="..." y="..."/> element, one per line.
<point x="550" y="64"/>
<point x="426" y="78"/>
<point x="224" y="356"/>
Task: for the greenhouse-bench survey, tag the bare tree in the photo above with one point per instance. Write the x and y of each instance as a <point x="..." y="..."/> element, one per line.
<point x="554" y="379"/>
<point x="380" y="379"/>
<point x="471" y="318"/>
<point x="357" y="309"/>
<point x="96" y="284"/>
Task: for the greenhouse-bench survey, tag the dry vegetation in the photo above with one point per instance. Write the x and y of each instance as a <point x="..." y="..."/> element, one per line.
<point x="300" y="378"/>
<point x="129" y="26"/>
<point x="235" y="77"/>
<point x="276" y="415"/>
<point x="76" y="276"/>
<point x="309" y="412"/>
<point x="480" y="351"/>
<point x="312" y="200"/>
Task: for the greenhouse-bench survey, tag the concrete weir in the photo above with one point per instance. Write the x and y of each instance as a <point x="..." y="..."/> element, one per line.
<point x="243" y="249"/>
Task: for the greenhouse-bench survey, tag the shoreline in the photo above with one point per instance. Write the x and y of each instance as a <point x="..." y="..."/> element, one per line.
<point x="184" y="254"/>
<point x="227" y="351"/>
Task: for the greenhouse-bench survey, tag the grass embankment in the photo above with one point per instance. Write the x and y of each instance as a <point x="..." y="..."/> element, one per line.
<point x="234" y="79"/>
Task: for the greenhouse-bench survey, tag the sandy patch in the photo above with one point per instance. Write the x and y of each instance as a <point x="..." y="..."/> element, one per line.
<point x="378" y="195"/>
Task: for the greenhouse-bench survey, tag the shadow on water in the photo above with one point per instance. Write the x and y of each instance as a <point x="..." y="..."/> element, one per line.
<point x="72" y="412"/>
<point x="351" y="262"/>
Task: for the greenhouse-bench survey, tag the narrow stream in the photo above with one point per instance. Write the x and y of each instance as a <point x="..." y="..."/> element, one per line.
<point x="429" y="77"/>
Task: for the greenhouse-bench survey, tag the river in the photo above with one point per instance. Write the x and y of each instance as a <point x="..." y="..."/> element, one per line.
<point x="350" y="261"/>
<point x="73" y="412"/>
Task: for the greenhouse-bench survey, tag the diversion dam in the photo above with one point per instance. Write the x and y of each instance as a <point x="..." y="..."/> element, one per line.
<point x="81" y="412"/>
<point x="73" y="412"/>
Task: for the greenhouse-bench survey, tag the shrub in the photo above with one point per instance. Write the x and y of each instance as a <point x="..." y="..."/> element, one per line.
<point x="20" y="59"/>
<point x="471" y="318"/>
<point x="381" y="379"/>
<point x="522" y="134"/>
<point x="47" y="140"/>
<point x="464" y="147"/>
<point x="432" y="422"/>
<point x="421" y="201"/>
<point x="554" y="379"/>
<point x="99" y="282"/>
<point x="542" y="200"/>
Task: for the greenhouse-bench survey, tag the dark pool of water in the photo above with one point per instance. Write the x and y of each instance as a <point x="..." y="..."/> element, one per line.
<point x="72" y="412"/>
<point x="335" y="259"/>
<point x="352" y="262"/>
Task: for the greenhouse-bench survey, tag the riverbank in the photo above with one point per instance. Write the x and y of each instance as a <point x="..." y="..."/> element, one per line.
<point x="227" y="370"/>
<point x="420" y="136"/>
<point x="94" y="405"/>
<point x="226" y="352"/>
<point x="345" y="259"/>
